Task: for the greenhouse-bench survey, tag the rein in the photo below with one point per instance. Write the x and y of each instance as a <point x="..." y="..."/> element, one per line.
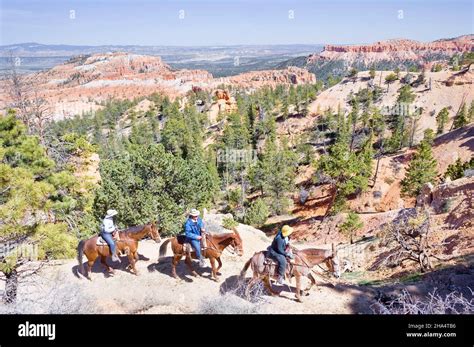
<point x="213" y="244"/>
<point x="324" y="270"/>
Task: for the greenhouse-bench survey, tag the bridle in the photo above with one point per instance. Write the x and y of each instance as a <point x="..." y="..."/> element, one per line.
<point x="212" y="243"/>
<point x="232" y="250"/>
<point x="153" y="230"/>
<point x="310" y="268"/>
<point x="233" y="245"/>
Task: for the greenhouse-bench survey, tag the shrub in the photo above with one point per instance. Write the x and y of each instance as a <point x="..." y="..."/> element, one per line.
<point x="434" y="303"/>
<point x="437" y="68"/>
<point x="61" y="298"/>
<point x="351" y="225"/>
<point x="258" y="213"/>
<point x="456" y="170"/>
<point x="446" y="206"/>
<point x="229" y="223"/>
<point x="227" y="304"/>
<point x="235" y="300"/>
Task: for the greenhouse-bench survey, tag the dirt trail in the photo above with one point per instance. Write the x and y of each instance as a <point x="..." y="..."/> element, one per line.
<point x="155" y="291"/>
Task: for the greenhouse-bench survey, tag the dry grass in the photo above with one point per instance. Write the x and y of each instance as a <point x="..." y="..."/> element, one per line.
<point x="236" y="301"/>
<point x="58" y="298"/>
<point x="434" y="303"/>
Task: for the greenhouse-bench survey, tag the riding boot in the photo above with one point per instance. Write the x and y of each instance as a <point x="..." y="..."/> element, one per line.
<point x="115" y="257"/>
<point x="202" y="263"/>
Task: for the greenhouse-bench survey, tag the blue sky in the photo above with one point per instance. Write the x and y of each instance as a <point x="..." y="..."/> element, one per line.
<point x="227" y="22"/>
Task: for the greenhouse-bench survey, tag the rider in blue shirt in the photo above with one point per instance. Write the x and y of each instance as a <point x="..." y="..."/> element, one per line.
<point x="193" y="227"/>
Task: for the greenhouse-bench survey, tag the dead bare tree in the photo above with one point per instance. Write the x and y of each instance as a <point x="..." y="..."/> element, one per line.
<point x="414" y="126"/>
<point x="41" y="115"/>
<point x="18" y="89"/>
<point x="405" y="303"/>
<point x="408" y="237"/>
<point x="32" y="109"/>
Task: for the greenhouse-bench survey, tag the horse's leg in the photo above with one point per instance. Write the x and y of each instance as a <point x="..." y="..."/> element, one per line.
<point x="89" y="268"/>
<point x="298" y="287"/>
<point x="189" y="263"/>
<point x="135" y="257"/>
<point x="268" y="285"/>
<point x="313" y="282"/>
<point x="104" y="262"/>
<point x="213" y="266"/>
<point x="131" y="259"/>
<point x="249" y="287"/>
<point x="174" y="263"/>
<point x="219" y="261"/>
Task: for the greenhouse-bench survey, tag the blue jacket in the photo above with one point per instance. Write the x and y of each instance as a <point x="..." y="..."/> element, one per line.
<point x="192" y="230"/>
<point x="279" y="244"/>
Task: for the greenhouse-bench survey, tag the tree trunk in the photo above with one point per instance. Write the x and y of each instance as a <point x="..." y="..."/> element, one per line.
<point x="352" y="137"/>
<point x="11" y="286"/>
<point x="413" y="130"/>
<point x="331" y="203"/>
<point x="379" y="156"/>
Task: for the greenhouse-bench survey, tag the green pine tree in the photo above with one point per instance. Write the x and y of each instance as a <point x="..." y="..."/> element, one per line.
<point x="41" y="204"/>
<point x="351" y="225"/>
<point x="421" y="170"/>
<point x="442" y="119"/>
<point x="460" y="119"/>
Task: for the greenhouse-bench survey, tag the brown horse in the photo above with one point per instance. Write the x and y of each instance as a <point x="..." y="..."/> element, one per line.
<point x="302" y="265"/>
<point x="127" y="244"/>
<point x="216" y="243"/>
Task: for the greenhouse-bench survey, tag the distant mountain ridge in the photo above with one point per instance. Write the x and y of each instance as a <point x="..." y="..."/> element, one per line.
<point x="219" y="60"/>
<point x="382" y="55"/>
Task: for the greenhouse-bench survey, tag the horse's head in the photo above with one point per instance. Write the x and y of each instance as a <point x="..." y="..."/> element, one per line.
<point x="155" y="235"/>
<point x="333" y="263"/>
<point x="237" y="243"/>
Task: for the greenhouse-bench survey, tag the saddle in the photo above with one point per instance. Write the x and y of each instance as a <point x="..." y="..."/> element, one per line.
<point x="268" y="260"/>
<point x="186" y="245"/>
<point x="101" y="241"/>
<point x="271" y="264"/>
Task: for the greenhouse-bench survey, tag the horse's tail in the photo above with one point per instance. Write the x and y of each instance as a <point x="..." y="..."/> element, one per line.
<point x="246" y="266"/>
<point x="163" y="249"/>
<point x="80" y="253"/>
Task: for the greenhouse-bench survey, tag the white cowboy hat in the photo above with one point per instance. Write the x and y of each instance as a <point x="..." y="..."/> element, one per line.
<point x="111" y="213"/>
<point x="194" y="213"/>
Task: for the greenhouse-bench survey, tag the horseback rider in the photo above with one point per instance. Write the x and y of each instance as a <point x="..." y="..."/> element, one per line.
<point x="109" y="232"/>
<point x="278" y="250"/>
<point x="194" y="229"/>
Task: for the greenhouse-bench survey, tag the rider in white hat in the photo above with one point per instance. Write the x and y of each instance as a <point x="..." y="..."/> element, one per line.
<point x="107" y="232"/>
<point x="193" y="227"/>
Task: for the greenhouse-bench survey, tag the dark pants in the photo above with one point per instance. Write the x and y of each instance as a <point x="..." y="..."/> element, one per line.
<point x="110" y="241"/>
<point x="281" y="259"/>
<point x="196" y="244"/>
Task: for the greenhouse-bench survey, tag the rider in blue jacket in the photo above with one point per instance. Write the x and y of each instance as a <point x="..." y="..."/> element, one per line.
<point x="278" y="250"/>
<point x="193" y="227"/>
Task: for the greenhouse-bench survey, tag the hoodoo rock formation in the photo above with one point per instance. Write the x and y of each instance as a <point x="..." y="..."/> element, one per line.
<point x="83" y="82"/>
<point x="394" y="50"/>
